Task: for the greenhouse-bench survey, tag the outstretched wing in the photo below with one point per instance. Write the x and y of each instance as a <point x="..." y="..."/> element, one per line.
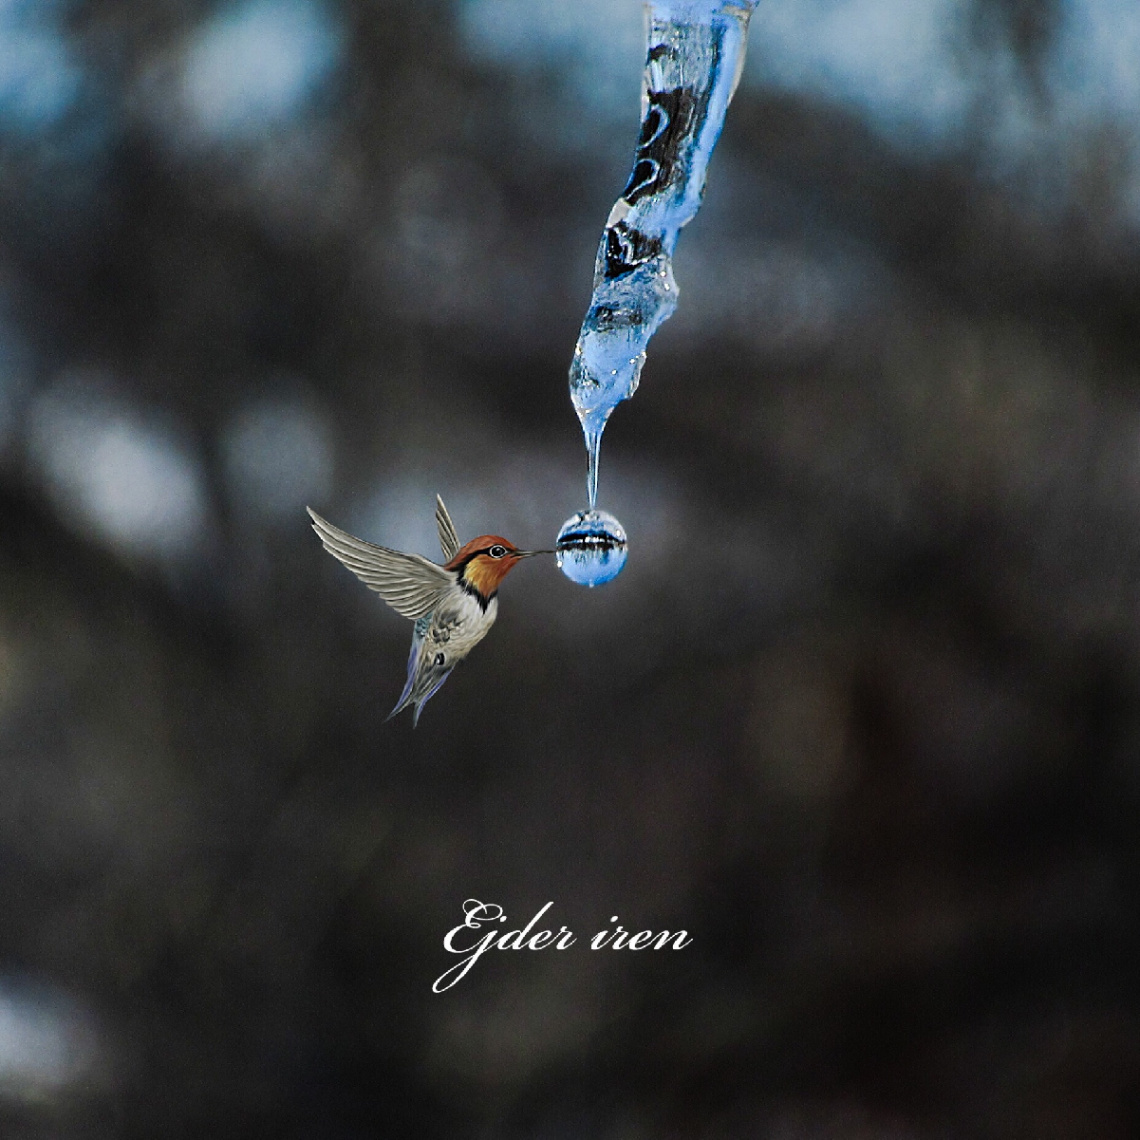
<point x="410" y="584"/>
<point x="448" y="539"/>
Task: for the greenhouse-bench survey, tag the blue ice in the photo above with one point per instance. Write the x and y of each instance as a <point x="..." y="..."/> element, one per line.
<point x="694" y="55"/>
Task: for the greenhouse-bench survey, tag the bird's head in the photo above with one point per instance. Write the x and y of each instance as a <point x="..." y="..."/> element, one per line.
<point x="485" y="561"/>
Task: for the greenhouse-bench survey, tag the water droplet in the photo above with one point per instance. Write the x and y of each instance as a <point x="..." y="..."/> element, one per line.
<point x="592" y="548"/>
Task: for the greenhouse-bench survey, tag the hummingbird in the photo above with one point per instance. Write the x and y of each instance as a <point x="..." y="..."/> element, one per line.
<point x="453" y="605"/>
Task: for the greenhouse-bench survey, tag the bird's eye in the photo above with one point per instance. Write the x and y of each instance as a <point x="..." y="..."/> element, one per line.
<point x="440" y="659"/>
<point x="497" y="551"/>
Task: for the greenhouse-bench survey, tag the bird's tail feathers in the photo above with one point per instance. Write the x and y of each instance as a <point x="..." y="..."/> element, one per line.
<point x="409" y="684"/>
<point x="424" y="680"/>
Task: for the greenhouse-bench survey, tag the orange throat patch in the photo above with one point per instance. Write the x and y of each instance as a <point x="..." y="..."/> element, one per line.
<point x="485" y="573"/>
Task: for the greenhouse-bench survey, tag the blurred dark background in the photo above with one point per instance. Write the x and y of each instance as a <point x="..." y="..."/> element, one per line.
<point x="862" y="714"/>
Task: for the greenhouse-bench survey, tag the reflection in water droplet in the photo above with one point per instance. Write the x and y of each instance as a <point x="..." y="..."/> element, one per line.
<point x="592" y="548"/>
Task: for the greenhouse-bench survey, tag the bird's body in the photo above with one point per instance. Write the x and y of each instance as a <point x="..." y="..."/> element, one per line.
<point x="440" y="640"/>
<point x="453" y="605"/>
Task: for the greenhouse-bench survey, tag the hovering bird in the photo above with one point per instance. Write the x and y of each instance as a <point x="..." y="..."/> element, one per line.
<point x="453" y="605"/>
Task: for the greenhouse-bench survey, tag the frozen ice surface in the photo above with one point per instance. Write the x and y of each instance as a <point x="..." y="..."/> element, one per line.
<point x="694" y="56"/>
<point x="592" y="548"/>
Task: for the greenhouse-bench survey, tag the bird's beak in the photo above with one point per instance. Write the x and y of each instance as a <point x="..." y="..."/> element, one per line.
<point x="531" y="553"/>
